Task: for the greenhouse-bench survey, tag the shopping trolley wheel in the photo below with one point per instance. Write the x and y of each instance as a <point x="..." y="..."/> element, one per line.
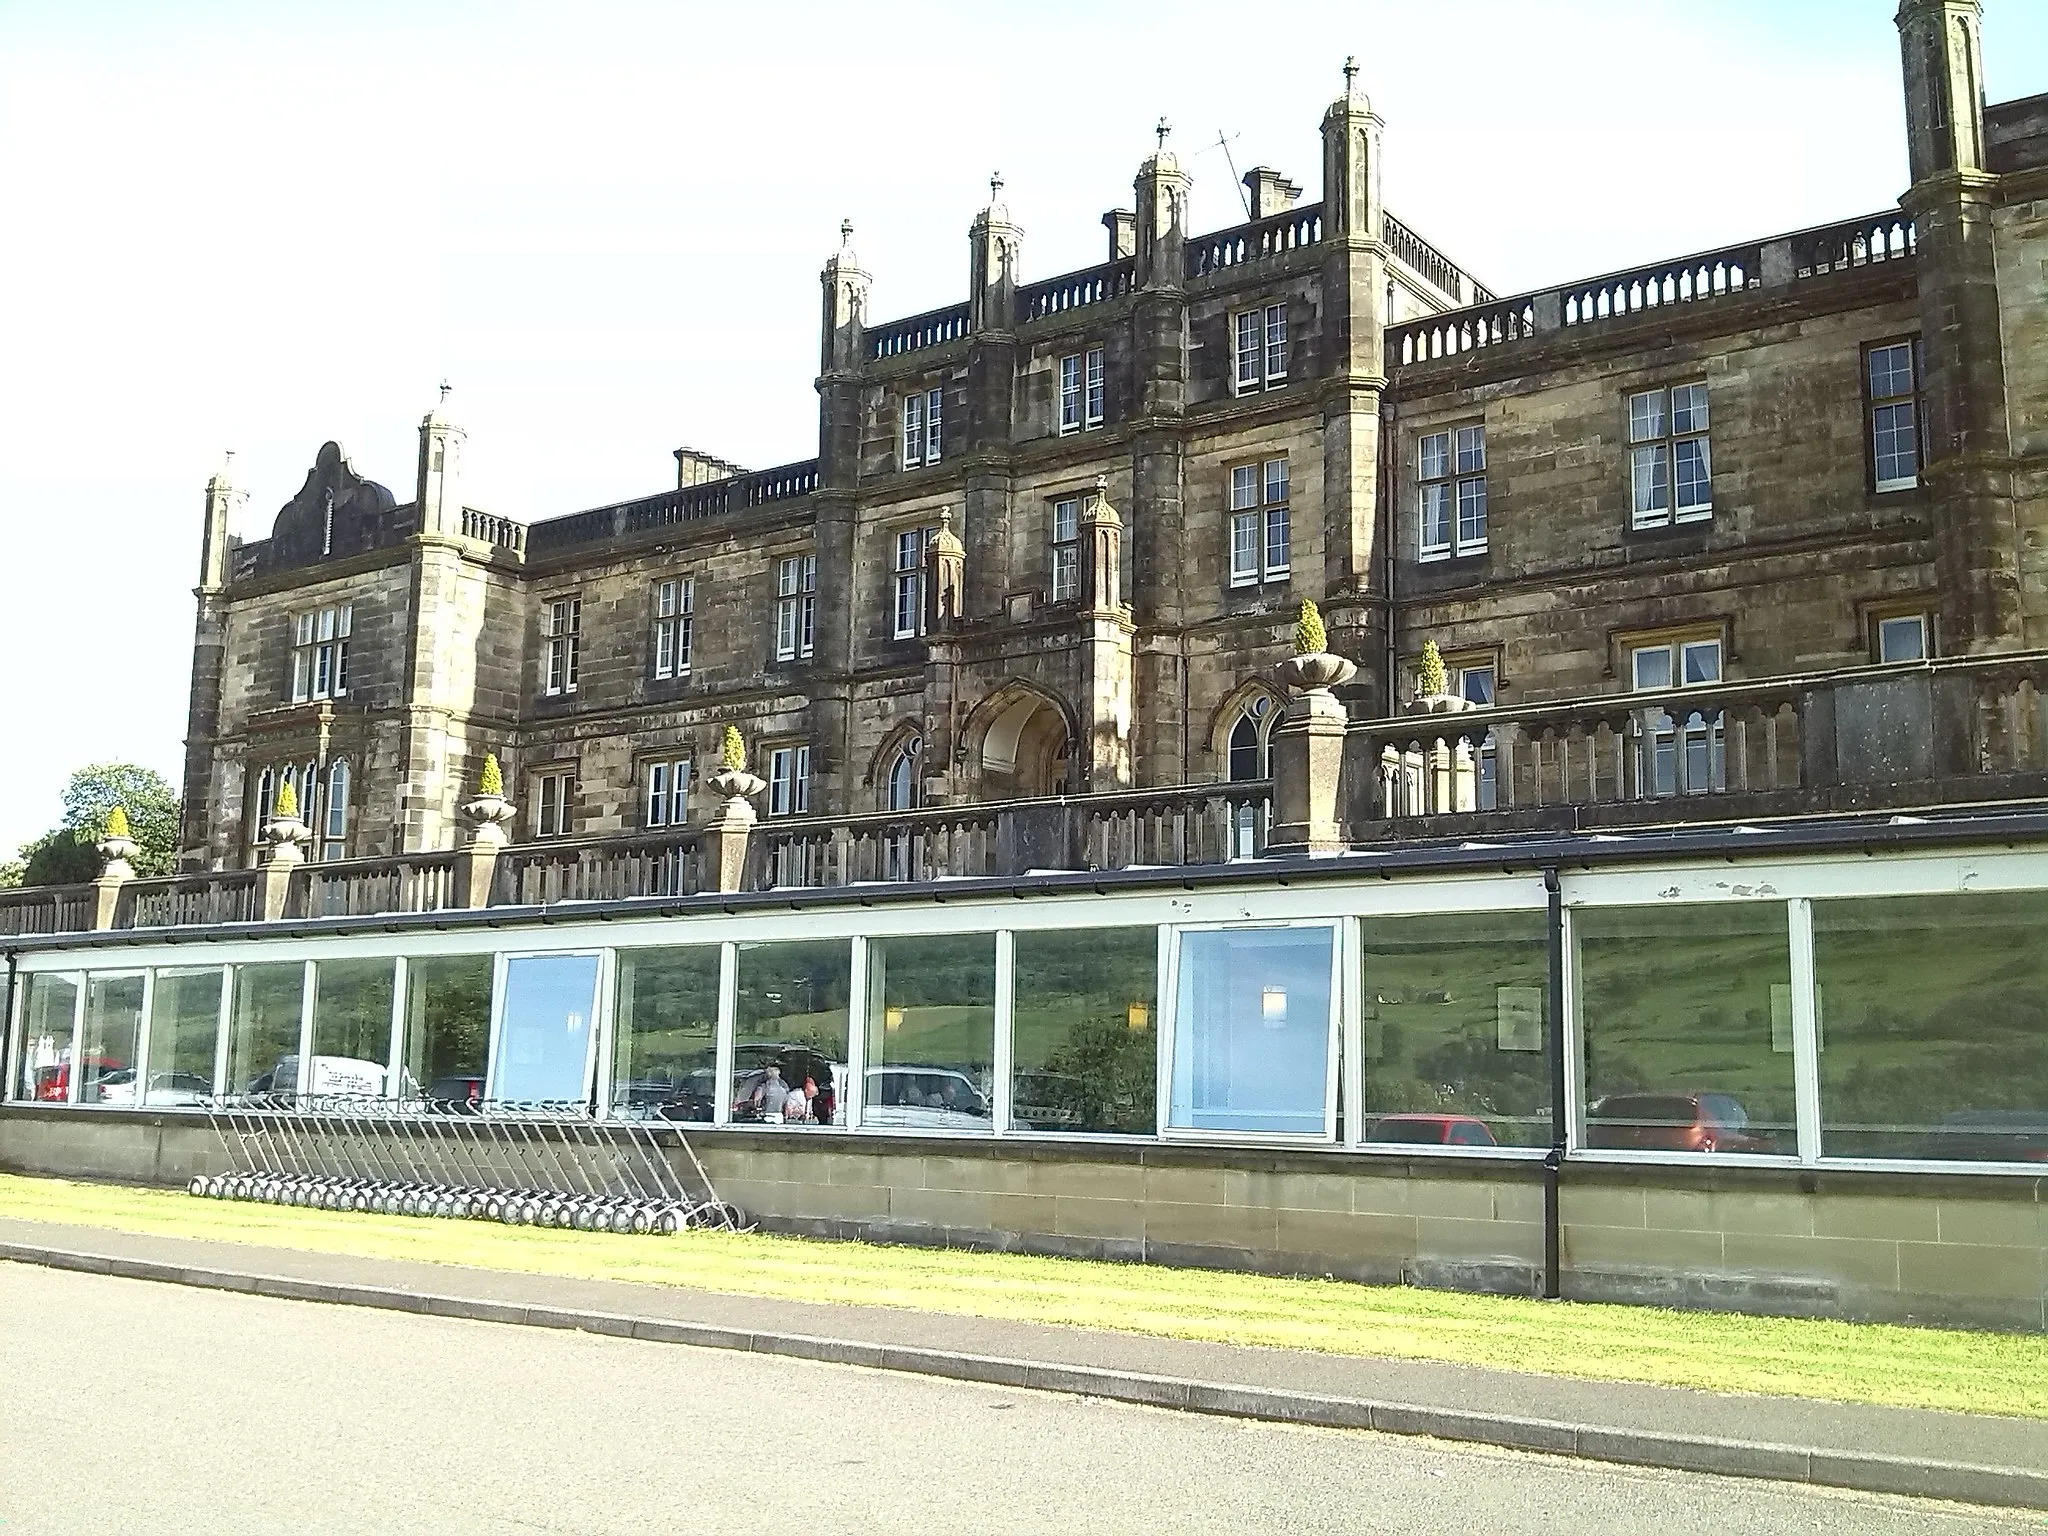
<point x="642" y="1223"/>
<point x="494" y="1209"/>
<point x="622" y="1221"/>
<point x="668" y="1223"/>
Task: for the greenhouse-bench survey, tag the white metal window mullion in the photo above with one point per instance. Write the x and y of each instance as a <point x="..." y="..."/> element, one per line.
<point x="597" y="1060"/>
<point x="142" y="1040"/>
<point x="500" y="967"/>
<point x="1352" y="1055"/>
<point x="308" y="990"/>
<point x="854" y="1090"/>
<point x="1169" y="960"/>
<point x="15" y="1047"/>
<point x="1333" y="1025"/>
<point x="726" y="1048"/>
<point x="1574" y="1041"/>
<point x="71" y="1079"/>
<point x="1006" y="1013"/>
<point x="223" y="1030"/>
<point x="394" y="1073"/>
<point x="1805" y="1031"/>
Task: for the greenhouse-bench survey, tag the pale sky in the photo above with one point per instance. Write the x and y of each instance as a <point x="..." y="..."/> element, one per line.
<point x="260" y="226"/>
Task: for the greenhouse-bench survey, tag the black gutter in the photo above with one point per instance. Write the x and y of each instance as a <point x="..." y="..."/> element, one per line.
<point x="1524" y="853"/>
<point x="1553" y="1160"/>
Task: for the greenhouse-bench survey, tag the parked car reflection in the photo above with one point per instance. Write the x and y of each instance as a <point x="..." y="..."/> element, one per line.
<point x="166" y="1089"/>
<point x="932" y="1098"/>
<point x="799" y="1070"/>
<point x="1429" y="1130"/>
<point x="1673" y="1122"/>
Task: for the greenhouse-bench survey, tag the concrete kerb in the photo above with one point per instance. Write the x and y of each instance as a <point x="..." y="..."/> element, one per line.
<point x="2010" y="1487"/>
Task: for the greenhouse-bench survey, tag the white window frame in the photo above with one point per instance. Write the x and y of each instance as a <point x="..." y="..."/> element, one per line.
<point x="666" y="802"/>
<point x="320" y="646"/>
<point x="554" y="796"/>
<point x="1065" y="586"/>
<point x="1258" y="345"/>
<point x="334" y="811"/>
<point x="675" y="603"/>
<point x="906" y="591"/>
<point x="1921" y="625"/>
<point x="921" y="437"/>
<point x="1080" y="391"/>
<point x="1260" y="526"/>
<point x="1450" y="476"/>
<point x="1666" y="742"/>
<point x="789" y="779"/>
<point x="1881" y="407"/>
<point x="1663" y="424"/>
<point x="562" y="652"/>
<point x="796" y="607"/>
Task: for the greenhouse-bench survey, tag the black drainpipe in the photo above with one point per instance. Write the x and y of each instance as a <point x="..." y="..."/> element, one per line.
<point x="1553" y="1160"/>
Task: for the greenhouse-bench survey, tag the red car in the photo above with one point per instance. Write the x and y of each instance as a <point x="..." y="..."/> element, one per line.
<point x="1673" y="1122"/>
<point x="53" y="1084"/>
<point x="1432" y="1131"/>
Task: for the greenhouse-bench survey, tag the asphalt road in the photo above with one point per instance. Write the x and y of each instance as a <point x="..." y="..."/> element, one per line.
<point x="132" y="1407"/>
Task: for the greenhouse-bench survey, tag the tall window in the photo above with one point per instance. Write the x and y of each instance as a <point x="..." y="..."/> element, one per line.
<point x="1261" y="348"/>
<point x="1066" y="550"/>
<point x="796" y="606"/>
<point x="903" y="776"/>
<point x="334" y="838"/>
<point x="1894" y="375"/>
<point x="910" y="547"/>
<point x="1670" y="469"/>
<point x="562" y="630"/>
<point x="1259" y="539"/>
<point x="923" y="432"/>
<point x="320" y="653"/>
<point x="1451" y="470"/>
<point x="266" y="802"/>
<point x="789" y="781"/>
<point x="1249" y="739"/>
<point x="553" y="804"/>
<point x="1680" y="757"/>
<point x="675" y="601"/>
<point x="668" y="784"/>
<point x="1081" y="391"/>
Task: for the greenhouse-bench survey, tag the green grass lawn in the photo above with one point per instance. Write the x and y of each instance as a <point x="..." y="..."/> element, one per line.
<point x="1849" y="1362"/>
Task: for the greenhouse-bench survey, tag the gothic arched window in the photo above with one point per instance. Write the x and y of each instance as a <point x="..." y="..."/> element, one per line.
<point x="903" y="776"/>
<point x="336" y="811"/>
<point x="1248" y="741"/>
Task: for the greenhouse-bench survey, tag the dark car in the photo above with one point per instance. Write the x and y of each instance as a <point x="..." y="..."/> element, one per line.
<point x="1425" y="1130"/>
<point x="1672" y="1122"/>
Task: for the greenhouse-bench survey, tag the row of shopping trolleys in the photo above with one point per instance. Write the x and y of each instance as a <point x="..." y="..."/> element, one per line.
<point x="521" y="1164"/>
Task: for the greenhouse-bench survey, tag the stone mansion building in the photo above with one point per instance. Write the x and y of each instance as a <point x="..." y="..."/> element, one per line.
<point x="1055" y="536"/>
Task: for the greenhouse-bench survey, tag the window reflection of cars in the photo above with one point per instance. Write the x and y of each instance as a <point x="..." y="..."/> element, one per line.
<point x="1048" y="1101"/>
<point x="172" y="1089"/>
<point x="932" y="1098"/>
<point x="681" y="1096"/>
<point x="53" y="1083"/>
<point x="1427" y="1130"/>
<point x="796" y="1063"/>
<point x="1672" y="1122"/>
<point x="1992" y="1136"/>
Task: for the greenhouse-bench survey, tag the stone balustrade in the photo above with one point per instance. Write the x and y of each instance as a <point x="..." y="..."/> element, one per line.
<point x="1289" y="230"/>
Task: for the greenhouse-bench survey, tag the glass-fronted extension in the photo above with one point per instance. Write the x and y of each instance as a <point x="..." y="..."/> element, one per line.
<point x="1822" y="1010"/>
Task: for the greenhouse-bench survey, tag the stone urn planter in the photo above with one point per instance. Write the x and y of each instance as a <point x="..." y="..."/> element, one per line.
<point x="288" y="838"/>
<point x="492" y="817"/>
<point x="1439" y="704"/>
<point x="737" y="788"/>
<point x="115" y="851"/>
<point x="1314" y="671"/>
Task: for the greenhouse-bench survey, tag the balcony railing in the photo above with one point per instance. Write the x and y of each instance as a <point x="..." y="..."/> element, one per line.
<point x="45" y="909"/>
<point x="1075" y="290"/>
<point x="1714" y="275"/>
<point x="1257" y="241"/>
<point x="783" y="483"/>
<point x="488" y="528"/>
<point x="930" y="329"/>
<point x="599" y="869"/>
<point x="1431" y="264"/>
<point x="1866" y="738"/>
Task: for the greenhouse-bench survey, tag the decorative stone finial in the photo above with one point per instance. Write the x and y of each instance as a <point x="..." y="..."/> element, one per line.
<point x="1350" y="73"/>
<point x="995" y="185"/>
<point x="1163" y="130"/>
<point x="845" y="234"/>
<point x="445" y="388"/>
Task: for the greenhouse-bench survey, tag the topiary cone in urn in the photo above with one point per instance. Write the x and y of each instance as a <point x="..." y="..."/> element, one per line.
<point x="1313" y="667"/>
<point x="732" y="781"/>
<point x="490" y="810"/>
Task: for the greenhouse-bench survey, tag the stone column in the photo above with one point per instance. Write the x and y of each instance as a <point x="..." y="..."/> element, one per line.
<point x="202" y="842"/>
<point x="726" y="838"/>
<point x="995" y="246"/>
<point x="115" y="850"/>
<point x="1308" y="756"/>
<point x="288" y="837"/>
<point x="842" y="357"/>
<point x="476" y="867"/>
<point x="1105" y="756"/>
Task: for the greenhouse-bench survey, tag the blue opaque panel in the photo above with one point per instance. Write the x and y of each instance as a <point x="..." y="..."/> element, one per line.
<point x="1252" y="1031"/>
<point x="544" y="1037"/>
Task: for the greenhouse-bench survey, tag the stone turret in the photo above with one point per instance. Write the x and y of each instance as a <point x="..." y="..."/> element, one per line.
<point x="439" y="484"/>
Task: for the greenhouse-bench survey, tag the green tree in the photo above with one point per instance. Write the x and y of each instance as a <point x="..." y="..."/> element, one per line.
<point x="65" y="855"/>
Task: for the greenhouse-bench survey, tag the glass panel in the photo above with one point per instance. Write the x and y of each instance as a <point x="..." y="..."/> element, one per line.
<point x="1646" y="416"/>
<point x="792" y="1013"/>
<point x="1253" y="1021"/>
<point x="544" y="1037"/>
<point x="1471" y="450"/>
<point x="1676" y="1010"/>
<point x="1700" y="661"/>
<point x="49" y="1012"/>
<point x="931" y="1032"/>
<point x="1933" y="1015"/>
<point x="1433" y="455"/>
<point x="447" y="1026"/>
<point x="263" y="1032"/>
<point x="1653" y="667"/>
<point x="351" y="1026"/>
<point x="184" y="1028"/>
<point x="1085" y="1050"/>
<point x="665" y="1044"/>
<point x="106" y="1056"/>
<point x="1456" y="1019"/>
<point x="1902" y="639"/>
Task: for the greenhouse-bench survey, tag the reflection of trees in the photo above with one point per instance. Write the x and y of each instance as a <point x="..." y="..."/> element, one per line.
<point x="454" y="1022"/>
<point x="1103" y="1077"/>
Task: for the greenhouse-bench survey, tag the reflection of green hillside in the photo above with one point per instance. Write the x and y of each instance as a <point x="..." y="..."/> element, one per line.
<point x="941" y="993"/>
<point x="1432" y="1007"/>
<point x="1679" y="1000"/>
<point x="1085" y="1049"/>
<point x="265" y="1025"/>
<point x="1930" y="1005"/>
<point x="667" y="1014"/>
<point x="352" y="1008"/>
<point x="795" y="993"/>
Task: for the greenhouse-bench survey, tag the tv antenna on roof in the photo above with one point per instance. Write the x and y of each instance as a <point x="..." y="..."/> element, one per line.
<point x="1223" y="143"/>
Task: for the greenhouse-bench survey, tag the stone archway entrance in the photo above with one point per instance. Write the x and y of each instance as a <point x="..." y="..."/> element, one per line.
<point x="1026" y="750"/>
